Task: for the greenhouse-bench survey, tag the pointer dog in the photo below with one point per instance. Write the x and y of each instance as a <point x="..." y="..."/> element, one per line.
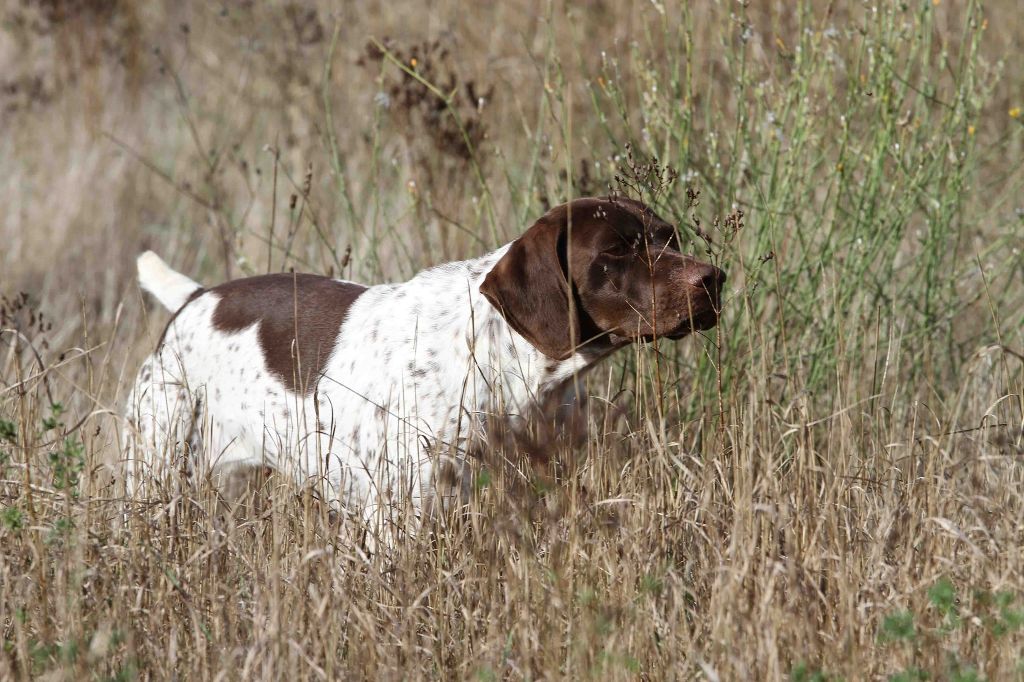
<point x="368" y="389"/>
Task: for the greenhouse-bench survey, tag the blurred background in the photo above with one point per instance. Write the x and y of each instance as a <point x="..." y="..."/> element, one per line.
<point x="856" y="167"/>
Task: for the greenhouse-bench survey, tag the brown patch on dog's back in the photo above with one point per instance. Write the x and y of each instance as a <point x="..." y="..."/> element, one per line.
<point x="305" y="309"/>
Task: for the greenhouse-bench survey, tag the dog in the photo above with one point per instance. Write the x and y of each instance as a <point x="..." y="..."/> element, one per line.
<point x="368" y="390"/>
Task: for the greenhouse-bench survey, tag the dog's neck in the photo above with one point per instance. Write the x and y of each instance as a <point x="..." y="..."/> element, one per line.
<point x="495" y="354"/>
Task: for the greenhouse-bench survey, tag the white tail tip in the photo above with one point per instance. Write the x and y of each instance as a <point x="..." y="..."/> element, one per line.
<point x="171" y="288"/>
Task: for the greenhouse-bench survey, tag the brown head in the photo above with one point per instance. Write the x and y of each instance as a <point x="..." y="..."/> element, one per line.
<point x="603" y="271"/>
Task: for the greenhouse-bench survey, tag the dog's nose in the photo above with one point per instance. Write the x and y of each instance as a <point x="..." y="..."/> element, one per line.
<point x="706" y="277"/>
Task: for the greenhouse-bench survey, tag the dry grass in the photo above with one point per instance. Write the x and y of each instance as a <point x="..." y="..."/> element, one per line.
<point x="828" y="486"/>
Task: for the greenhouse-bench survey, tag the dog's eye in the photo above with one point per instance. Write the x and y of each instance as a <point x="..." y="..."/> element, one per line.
<point x="620" y="248"/>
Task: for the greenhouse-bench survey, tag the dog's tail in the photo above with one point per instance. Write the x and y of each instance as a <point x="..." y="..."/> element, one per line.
<point x="171" y="288"/>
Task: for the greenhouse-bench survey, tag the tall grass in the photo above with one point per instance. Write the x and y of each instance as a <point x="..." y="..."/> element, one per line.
<point x="828" y="485"/>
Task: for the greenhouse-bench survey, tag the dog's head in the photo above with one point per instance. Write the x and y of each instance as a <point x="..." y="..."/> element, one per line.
<point x="602" y="270"/>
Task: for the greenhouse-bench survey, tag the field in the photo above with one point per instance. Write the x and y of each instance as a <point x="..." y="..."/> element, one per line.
<point x="829" y="485"/>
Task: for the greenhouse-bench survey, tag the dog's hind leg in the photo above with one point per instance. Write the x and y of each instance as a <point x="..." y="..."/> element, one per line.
<point x="163" y="435"/>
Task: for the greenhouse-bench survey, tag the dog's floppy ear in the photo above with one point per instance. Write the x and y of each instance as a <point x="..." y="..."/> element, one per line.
<point x="529" y="287"/>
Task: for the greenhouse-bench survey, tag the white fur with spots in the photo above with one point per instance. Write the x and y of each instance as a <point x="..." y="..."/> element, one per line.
<point x="416" y="370"/>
